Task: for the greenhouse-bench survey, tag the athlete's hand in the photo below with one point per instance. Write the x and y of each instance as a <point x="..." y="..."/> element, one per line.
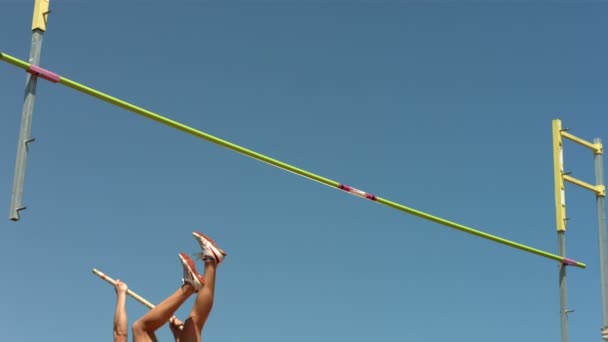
<point x="176" y="326"/>
<point x="120" y="287"/>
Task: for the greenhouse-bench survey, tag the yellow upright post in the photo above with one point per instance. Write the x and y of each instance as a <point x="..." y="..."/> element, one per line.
<point x="558" y="170"/>
<point x="41" y="10"/>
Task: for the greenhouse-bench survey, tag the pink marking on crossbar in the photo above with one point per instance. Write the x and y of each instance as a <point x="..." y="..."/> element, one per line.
<point x="570" y="262"/>
<point x="43" y="73"/>
<point x="345" y="187"/>
<point x="359" y="192"/>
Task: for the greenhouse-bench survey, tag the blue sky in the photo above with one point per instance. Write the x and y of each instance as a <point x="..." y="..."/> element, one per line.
<point x="442" y="106"/>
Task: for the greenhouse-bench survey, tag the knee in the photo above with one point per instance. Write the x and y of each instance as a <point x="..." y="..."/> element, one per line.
<point x="138" y="328"/>
<point x="198" y="320"/>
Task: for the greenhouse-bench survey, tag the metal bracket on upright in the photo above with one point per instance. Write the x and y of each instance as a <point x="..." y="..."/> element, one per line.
<point x="599" y="190"/>
<point x="595" y="147"/>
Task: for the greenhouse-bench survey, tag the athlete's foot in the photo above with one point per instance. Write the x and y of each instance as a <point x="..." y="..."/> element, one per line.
<point x="210" y="249"/>
<point x="191" y="276"/>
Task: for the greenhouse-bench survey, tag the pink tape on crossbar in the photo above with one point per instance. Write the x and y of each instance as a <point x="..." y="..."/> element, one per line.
<point x="344" y="187"/>
<point x="357" y="192"/>
<point x="570" y="262"/>
<point x="43" y="73"/>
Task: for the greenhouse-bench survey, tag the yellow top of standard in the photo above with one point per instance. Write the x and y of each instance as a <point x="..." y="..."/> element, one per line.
<point x="558" y="169"/>
<point x="41" y="9"/>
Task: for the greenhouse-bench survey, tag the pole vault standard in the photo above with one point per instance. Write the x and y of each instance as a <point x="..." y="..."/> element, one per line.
<point x="55" y="78"/>
<point x="561" y="177"/>
<point x="41" y="11"/>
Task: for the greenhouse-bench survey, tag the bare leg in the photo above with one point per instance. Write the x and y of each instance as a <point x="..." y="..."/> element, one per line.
<point x="202" y="306"/>
<point x="144" y="328"/>
<point x="121" y="324"/>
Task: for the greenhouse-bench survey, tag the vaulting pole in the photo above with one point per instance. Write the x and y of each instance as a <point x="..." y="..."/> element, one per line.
<point x="134" y="295"/>
<point x="131" y="293"/>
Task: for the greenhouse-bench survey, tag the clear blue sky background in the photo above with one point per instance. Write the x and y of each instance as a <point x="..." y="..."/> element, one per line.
<point x="445" y="106"/>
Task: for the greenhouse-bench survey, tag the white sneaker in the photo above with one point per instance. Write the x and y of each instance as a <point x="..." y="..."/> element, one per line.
<point x="191" y="276"/>
<point x="210" y="248"/>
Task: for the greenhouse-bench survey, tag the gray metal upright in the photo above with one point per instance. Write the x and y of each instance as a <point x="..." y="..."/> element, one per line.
<point x="563" y="288"/>
<point x="38" y="28"/>
<point x="601" y="221"/>
<point x="25" y="130"/>
<point x="560" y="220"/>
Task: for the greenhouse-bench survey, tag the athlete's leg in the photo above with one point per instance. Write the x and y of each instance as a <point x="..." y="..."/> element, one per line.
<point x="193" y="326"/>
<point x="213" y="256"/>
<point x="121" y="324"/>
<point x="144" y="328"/>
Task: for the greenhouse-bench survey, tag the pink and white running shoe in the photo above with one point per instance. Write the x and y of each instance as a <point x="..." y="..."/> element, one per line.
<point x="191" y="276"/>
<point x="210" y="248"/>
